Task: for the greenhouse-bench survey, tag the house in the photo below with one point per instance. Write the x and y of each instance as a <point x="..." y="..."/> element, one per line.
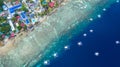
<point x="12" y="34"/>
<point x="2" y="13"/>
<point x="24" y="17"/>
<point x="12" y="9"/>
<point x="4" y="7"/>
<point x="27" y="22"/>
<point x="51" y="4"/>
<point x="34" y="20"/>
<point x="11" y="23"/>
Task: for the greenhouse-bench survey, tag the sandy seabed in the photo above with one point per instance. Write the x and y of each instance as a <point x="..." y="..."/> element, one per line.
<point x="23" y="49"/>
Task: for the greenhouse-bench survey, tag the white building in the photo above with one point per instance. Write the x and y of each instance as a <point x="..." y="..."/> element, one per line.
<point x="11" y="23"/>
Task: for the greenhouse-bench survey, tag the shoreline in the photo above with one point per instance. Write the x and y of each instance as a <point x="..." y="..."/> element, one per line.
<point x="39" y="39"/>
<point x="41" y="58"/>
<point x="11" y="42"/>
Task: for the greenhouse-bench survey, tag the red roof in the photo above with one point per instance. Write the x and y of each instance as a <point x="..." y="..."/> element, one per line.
<point x="12" y="34"/>
<point x="51" y="4"/>
<point x="22" y="25"/>
<point x="16" y="2"/>
<point x="18" y="17"/>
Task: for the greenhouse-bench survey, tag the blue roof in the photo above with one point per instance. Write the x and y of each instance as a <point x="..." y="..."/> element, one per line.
<point x="12" y="9"/>
<point x="27" y="21"/>
<point x="23" y="14"/>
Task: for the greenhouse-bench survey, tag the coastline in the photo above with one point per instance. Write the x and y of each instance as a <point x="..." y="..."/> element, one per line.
<point x="37" y="40"/>
<point x="58" y="44"/>
<point x="9" y="44"/>
<point x="12" y="44"/>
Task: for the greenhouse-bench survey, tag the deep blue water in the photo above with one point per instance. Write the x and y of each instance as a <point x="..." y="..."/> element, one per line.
<point x="102" y="40"/>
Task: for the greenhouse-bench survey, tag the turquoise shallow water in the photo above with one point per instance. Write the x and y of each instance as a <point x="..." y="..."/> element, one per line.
<point x="51" y="36"/>
<point x="102" y="40"/>
<point x="58" y="44"/>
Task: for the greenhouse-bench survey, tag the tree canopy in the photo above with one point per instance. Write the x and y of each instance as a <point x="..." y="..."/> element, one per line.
<point x="1" y="3"/>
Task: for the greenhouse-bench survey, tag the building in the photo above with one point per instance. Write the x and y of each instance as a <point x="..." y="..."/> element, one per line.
<point x="11" y="23"/>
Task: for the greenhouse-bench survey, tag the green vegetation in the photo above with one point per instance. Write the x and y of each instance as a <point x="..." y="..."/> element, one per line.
<point x="2" y="19"/>
<point x="56" y="4"/>
<point x="5" y="28"/>
<point x="31" y="1"/>
<point x="23" y="8"/>
<point x="15" y="15"/>
<point x="1" y="3"/>
<point x="43" y="13"/>
<point x="19" y="27"/>
<point x="14" y="19"/>
<point x="25" y="27"/>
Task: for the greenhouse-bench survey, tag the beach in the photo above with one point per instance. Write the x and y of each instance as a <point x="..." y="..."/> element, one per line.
<point x="25" y="47"/>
